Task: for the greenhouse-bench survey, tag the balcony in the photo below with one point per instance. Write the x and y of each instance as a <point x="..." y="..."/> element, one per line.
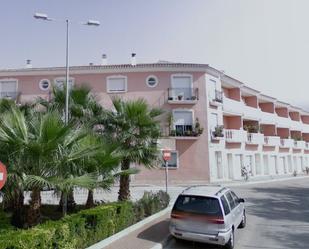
<point x="186" y="132"/>
<point x="272" y="141"/>
<point x="255" y="138"/>
<point x="182" y="95"/>
<point x="286" y="143"/>
<point x="235" y="136"/>
<point x="9" y="95"/>
<point x="232" y="106"/>
<point x="299" y="144"/>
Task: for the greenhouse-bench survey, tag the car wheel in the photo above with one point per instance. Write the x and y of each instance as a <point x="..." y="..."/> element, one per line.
<point x="230" y="243"/>
<point x="243" y="221"/>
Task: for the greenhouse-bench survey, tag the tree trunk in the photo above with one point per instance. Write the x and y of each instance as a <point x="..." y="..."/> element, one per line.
<point x="34" y="210"/>
<point x="67" y="199"/>
<point x="124" y="185"/>
<point x="18" y="209"/>
<point x="90" y="200"/>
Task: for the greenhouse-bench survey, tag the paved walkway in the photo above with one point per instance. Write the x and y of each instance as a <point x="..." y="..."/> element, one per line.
<point x="145" y="237"/>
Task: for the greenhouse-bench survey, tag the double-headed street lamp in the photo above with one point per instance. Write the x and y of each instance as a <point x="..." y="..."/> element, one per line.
<point x="45" y="17"/>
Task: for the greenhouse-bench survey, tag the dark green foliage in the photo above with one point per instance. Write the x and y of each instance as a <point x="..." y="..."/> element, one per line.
<point x="151" y="203"/>
<point x="75" y="231"/>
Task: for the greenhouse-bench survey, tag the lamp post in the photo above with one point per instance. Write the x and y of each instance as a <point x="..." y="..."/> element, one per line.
<point x="44" y="17"/>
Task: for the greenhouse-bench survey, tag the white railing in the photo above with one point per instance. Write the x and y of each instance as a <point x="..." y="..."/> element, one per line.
<point x="286" y="143"/>
<point x="236" y="136"/>
<point x="233" y="106"/>
<point x="251" y="112"/>
<point x="255" y="138"/>
<point x="268" y="118"/>
<point x="272" y="140"/>
<point x="299" y="144"/>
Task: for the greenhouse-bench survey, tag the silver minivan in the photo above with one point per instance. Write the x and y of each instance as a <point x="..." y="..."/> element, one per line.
<point x="208" y="214"/>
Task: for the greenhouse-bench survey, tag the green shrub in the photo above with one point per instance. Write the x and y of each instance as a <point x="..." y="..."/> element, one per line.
<point x="75" y="231"/>
<point x="151" y="203"/>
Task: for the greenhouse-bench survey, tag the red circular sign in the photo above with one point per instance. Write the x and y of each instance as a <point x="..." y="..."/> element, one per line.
<point x="3" y="175"/>
<point x="166" y="155"/>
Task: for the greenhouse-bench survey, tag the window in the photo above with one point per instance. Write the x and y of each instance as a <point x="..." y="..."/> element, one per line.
<point x="116" y="84"/>
<point x="225" y="205"/>
<point x="8" y="88"/>
<point x="152" y="81"/>
<point x="174" y="161"/>
<point x="182" y="87"/>
<point x="230" y="199"/>
<point x="236" y="199"/>
<point x="60" y="82"/>
<point x="183" y="121"/>
<point x="198" y="205"/>
<point x="44" y="84"/>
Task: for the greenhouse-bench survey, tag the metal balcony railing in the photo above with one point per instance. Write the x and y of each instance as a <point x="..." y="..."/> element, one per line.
<point x="182" y="94"/>
<point x="218" y="96"/>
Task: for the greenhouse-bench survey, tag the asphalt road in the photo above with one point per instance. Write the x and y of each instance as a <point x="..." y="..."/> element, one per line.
<point x="277" y="217"/>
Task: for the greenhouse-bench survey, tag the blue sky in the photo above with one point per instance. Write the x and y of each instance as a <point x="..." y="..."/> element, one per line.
<point x="264" y="43"/>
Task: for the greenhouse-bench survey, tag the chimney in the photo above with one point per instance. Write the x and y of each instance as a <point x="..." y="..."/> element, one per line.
<point x="133" y="59"/>
<point x="28" y="64"/>
<point x="104" y="60"/>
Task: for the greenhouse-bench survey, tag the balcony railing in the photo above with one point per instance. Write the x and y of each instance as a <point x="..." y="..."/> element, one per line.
<point x="299" y="144"/>
<point x="185" y="131"/>
<point x="182" y="95"/>
<point x="255" y="138"/>
<point x="218" y="96"/>
<point x="272" y="141"/>
<point x="235" y="136"/>
<point x="8" y="95"/>
<point x="286" y="143"/>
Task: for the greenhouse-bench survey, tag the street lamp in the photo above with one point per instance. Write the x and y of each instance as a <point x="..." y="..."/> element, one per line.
<point x="44" y="17"/>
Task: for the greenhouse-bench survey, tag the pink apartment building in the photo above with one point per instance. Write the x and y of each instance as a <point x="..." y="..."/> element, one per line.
<point x="214" y="124"/>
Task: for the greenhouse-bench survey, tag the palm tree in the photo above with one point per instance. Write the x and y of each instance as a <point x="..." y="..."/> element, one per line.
<point x="134" y="125"/>
<point x="45" y="153"/>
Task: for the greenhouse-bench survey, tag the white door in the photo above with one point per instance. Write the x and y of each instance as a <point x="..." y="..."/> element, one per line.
<point x="212" y="86"/>
<point x="273" y="167"/>
<point x="290" y="164"/>
<point x="266" y="166"/>
<point x="237" y="166"/>
<point x="258" y="169"/>
<point x="230" y="166"/>
<point x="213" y="121"/>
<point x="218" y="155"/>
<point x="249" y="164"/>
<point x="281" y="166"/>
<point x="295" y="163"/>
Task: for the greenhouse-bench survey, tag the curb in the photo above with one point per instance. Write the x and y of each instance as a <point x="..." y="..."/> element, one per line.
<point x="130" y="229"/>
<point x="163" y="244"/>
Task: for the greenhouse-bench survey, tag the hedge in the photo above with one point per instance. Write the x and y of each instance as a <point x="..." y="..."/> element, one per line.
<point x="75" y="231"/>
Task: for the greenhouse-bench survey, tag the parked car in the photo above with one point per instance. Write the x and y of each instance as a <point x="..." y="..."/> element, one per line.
<point x="208" y="214"/>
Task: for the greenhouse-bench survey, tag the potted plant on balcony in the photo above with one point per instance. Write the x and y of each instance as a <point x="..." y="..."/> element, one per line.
<point x="180" y="96"/>
<point x="173" y="133"/>
<point x="251" y="128"/>
<point x="218" y="132"/>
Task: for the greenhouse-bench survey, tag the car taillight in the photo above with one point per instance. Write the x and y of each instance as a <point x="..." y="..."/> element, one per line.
<point x="217" y="221"/>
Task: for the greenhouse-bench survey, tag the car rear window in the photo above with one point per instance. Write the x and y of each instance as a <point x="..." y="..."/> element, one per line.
<point x="198" y="205"/>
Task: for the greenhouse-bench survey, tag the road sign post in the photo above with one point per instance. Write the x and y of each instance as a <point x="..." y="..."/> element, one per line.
<point x="166" y="158"/>
<point x="3" y="175"/>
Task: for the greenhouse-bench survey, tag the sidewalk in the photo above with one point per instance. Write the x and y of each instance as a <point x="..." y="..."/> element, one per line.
<point x="146" y="237"/>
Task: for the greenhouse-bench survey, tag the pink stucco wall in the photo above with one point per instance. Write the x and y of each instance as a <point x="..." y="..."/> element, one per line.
<point x="282" y="112"/>
<point x="251" y="101"/>
<point x="232" y="93"/>
<point x="295" y="116"/>
<point x="305" y="119"/>
<point x="305" y="137"/>
<point x="267" y="107"/>
<point x="232" y="122"/>
<point x="193" y="154"/>
<point x="269" y="130"/>
<point x="283" y="132"/>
